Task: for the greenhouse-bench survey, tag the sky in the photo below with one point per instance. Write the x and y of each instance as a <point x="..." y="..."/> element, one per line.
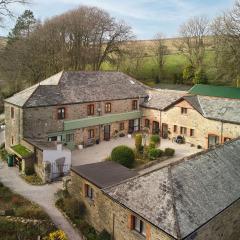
<point x="146" y="17"/>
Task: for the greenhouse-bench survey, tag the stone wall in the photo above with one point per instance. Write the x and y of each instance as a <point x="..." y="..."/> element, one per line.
<point x="38" y="122"/>
<point x="13" y="131"/>
<point x="104" y="213"/>
<point x="224" y="226"/>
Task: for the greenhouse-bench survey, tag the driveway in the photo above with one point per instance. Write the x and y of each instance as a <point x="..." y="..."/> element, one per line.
<point x="100" y="152"/>
<point x="42" y="195"/>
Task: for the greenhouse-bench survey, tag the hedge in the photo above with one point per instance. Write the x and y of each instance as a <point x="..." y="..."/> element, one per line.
<point x="123" y="155"/>
<point x="169" y="152"/>
<point x="155" y="153"/>
<point x="155" y="139"/>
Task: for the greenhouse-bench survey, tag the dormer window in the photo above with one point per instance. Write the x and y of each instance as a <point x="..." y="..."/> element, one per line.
<point x="61" y="113"/>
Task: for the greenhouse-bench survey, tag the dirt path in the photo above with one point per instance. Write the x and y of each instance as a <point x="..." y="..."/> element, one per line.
<point x="42" y="195"/>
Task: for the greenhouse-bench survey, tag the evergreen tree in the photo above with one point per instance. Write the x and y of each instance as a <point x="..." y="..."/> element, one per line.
<point x="24" y="26"/>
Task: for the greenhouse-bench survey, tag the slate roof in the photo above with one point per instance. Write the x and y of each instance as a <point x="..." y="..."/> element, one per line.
<point x="220" y="109"/>
<point x="161" y="99"/>
<point x="104" y="174"/>
<point x="79" y="87"/>
<point x="180" y="198"/>
<point x="215" y="91"/>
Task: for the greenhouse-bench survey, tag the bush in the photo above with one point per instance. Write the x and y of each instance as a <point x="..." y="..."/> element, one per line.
<point x="152" y="145"/>
<point x="104" y="235"/>
<point x="57" y="235"/>
<point x="138" y="142"/>
<point x="169" y="152"/>
<point x="155" y="139"/>
<point x="123" y="155"/>
<point x="155" y="153"/>
<point x="3" y="154"/>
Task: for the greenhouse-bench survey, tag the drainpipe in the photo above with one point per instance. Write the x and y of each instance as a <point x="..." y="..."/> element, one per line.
<point x="113" y="229"/>
<point x="221" y="132"/>
<point x="160" y="127"/>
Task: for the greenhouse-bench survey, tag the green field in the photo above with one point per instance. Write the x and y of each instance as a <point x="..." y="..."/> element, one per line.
<point x="174" y="64"/>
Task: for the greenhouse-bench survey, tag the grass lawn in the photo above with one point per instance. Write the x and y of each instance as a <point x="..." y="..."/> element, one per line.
<point x="18" y="222"/>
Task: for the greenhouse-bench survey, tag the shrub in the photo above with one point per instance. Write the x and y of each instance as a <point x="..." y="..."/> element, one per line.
<point x="123" y="155"/>
<point x="152" y="145"/>
<point x="3" y="154"/>
<point x="57" y="235"/>
<point x="138" y="142"/>
<point x="155" y="139"/>
<point x="31" y="212"/>
<point x="104" y="235"/>
<point x="155" y="153"/>
<point x="169" y="152"/>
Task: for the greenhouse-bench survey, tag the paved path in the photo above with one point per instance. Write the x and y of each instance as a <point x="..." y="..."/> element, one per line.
<point x="42" y="195"/>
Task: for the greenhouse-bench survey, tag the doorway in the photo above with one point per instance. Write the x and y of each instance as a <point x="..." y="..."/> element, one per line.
<point x="213" y="140"/>
<point x="107" y="130"/>
<point x="164" y="130"/>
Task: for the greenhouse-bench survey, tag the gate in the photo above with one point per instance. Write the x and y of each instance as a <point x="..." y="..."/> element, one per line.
<point x="59" y="170"/>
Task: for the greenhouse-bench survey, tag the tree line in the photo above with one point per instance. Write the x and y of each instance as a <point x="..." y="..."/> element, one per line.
<point x="89" y="38"/>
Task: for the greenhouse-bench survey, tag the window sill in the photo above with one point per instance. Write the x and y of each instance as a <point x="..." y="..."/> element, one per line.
<point x="138" y="235"/>
<point x="90" y="201"/>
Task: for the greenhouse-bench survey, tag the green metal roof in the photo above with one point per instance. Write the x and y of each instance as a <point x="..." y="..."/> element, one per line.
<point x="215" y="91"/>
<point x="105" y="119"/>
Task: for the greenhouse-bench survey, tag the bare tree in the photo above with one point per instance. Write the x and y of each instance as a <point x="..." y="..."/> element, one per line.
<point x="192" y="41"/>
<point x="160" y="50"/>
<point x="226" y="32"/>
<point x="5" y="10"/>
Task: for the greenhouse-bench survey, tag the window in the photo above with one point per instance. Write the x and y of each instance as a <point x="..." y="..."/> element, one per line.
<point x="12" y="112"/>
<point x="134" y="104"/>
<point x="183" y="130"/>
<point x="121" y="126"/>
<point x="192" y="132"/>
<point x="90" y="133"/>
<point x="61" y="113"/>
<point x="88" y="191"/>
<point x="226" y="139"/>
<point x="184" y="110"/>
<point x="12" y="140"/>
<point x="90" y="109"/>
<point x="175" y="128"/>
<point x="53" y="139"/>
<point x="139" y="225"/>
<point x="147" y="123"/>
<point x="70" y="137"/>
<point x="108" y="108"/>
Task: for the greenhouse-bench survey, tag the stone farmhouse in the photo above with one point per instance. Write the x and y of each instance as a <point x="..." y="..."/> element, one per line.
<point x="74" y="108"/>
<point x="204" y="121"/>
<point x="195" y="198"/>
<point x="80" y="109"/>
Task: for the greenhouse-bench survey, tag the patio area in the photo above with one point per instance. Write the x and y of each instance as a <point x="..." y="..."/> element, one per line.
<point x="100" y="152"/>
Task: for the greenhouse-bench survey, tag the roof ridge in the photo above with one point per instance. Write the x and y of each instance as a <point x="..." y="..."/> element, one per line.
<point x="204" y="113"/>
<point x="176" y="224"/>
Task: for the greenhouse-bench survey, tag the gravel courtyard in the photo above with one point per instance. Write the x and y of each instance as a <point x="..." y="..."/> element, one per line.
<point x="100" y="152"/>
